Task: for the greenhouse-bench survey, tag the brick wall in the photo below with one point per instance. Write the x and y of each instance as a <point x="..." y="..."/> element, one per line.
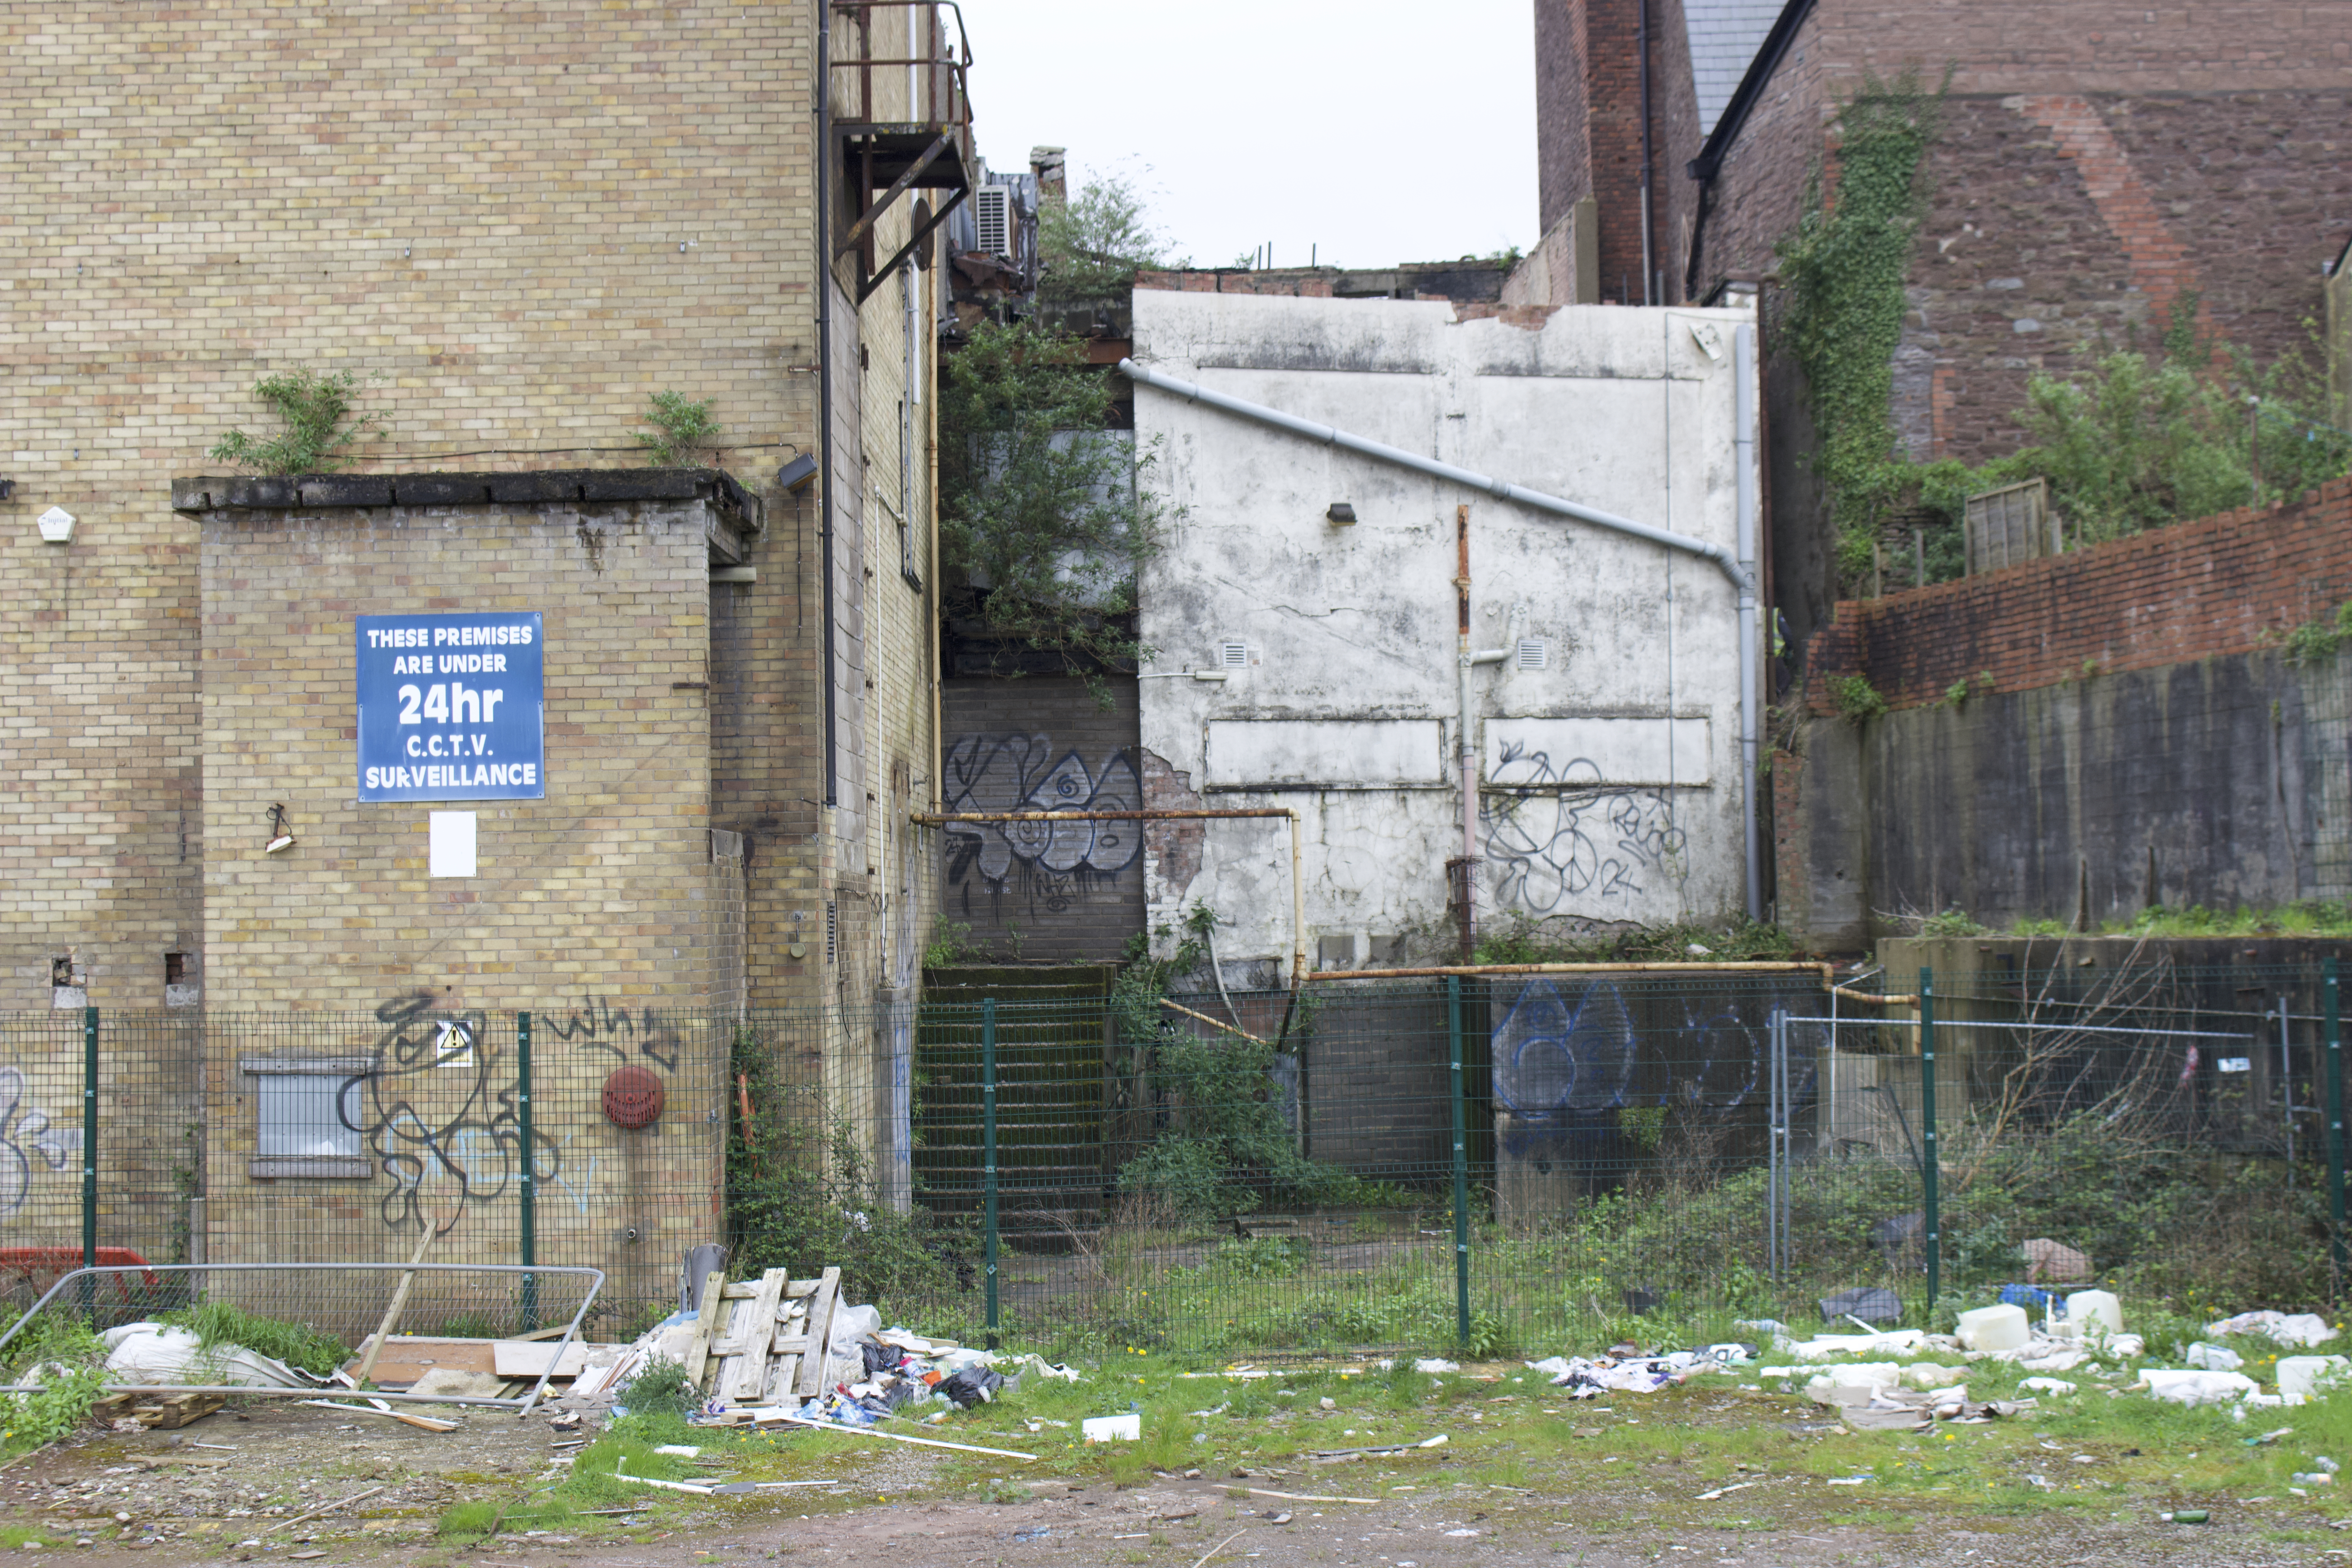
<point x="1037" y="744"/>
<point x="2225" y="585"/>
<point x="515" y="224"/>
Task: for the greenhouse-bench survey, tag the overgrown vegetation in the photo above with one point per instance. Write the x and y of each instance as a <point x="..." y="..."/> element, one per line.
<point x="1845" y="267"/>
<point x="2138" y="437"/>
<point x="683" y="431"/>
<point x="216" y="1323"/>
<point x="1221" y="1144"/>
<point x="800" y="1194"/>
<point x="1855" y="698"/>
<point x="67" y="1356"/>
<point x="2317" y="640"/>
<point x="321" y="426"/>
<point x="1045" y="512"/>
<point x="1090" y="246"/>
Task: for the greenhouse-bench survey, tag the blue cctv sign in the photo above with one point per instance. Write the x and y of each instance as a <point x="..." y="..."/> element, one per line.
<point x="450" y="707"/>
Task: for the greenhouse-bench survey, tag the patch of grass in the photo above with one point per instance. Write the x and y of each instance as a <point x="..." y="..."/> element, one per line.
<point x="296" y="1344"/>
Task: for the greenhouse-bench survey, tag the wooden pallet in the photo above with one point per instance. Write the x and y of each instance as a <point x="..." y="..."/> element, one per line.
<point x="763" y="1341"/>
<point x="157" y="1414"/>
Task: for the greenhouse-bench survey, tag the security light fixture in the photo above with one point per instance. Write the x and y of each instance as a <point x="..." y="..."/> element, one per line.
<point x="796" y="475"/>
<point x="56" y="526"/>
<point x="281" y="833"/>
<point x="7" y="489"/>
<point x="1340" y="514"/>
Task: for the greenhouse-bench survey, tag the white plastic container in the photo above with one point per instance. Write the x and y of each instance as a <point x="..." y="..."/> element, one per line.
<point x="1113" y="1429"/>
<point x="1853" y="1384"/>
<point x="2193" y="1387"/>
<point x="2084" y="1306"/>
<point x="2000" y="1328"/>
<point x="2302" y="1377"/>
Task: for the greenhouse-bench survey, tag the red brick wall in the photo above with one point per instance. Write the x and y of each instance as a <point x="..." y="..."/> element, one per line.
<point x="1589" y="125"/>
<point x="2224" y="585"/>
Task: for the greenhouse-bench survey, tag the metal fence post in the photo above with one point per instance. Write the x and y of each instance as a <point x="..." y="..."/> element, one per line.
<point x="1931" y="1168"/>
<point x="988" y="1148"/>
<point x="528" y="1192"/>
<point x="2334" y="1124"/>
<point x="1460" y="1164"/>
<point x="90" y="1143"/>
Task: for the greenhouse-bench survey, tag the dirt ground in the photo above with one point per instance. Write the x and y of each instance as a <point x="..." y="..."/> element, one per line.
<point x="165" y="1497"/>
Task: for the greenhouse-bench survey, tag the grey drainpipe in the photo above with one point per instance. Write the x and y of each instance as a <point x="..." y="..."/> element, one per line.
<point x="1739" y="568"/>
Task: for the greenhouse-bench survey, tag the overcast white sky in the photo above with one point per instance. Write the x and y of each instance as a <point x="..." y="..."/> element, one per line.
<point x="1373" y="131"/>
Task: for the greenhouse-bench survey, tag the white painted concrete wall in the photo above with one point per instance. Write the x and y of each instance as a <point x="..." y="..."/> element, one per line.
<point x="1611" y="777"/>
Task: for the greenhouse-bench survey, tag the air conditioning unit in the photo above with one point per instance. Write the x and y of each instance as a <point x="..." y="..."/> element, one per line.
<point x="992" y="218"/>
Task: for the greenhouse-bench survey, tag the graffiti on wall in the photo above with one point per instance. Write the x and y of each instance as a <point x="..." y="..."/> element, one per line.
<point x="26" y="1134"/>
<point x="1040" y="865"/>
<point x="435" y="1122"/>
<point x="1577" y="837"/>
<point x="1566" y="1061"/>
<point x="597" y="1025"/>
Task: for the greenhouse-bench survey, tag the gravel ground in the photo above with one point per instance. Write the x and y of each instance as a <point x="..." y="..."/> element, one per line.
<point x="133" y="1497"/>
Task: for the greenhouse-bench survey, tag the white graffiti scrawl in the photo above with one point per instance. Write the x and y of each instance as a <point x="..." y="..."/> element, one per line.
<point x="1579" y="836"/>
<point x="1045" y="864"/>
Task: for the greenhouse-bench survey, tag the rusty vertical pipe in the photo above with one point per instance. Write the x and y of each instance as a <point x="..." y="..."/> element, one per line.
<point x="1465" y="884"/>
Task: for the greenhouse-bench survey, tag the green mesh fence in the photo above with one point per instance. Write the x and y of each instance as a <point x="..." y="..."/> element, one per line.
<point x="1520" y="1161"/>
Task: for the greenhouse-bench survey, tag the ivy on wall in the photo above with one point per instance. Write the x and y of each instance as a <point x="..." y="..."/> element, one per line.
<point x="1845" y="266"/>
<point x="2136" y="437"/>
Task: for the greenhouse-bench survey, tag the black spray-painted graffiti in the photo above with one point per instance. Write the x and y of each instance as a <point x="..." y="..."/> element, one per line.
<point x="1565" y="1064"/>
<point x="1582" y="837"/>
<point x="1046" y="865"/>
<point x="598" y="1025"/>
<point x="26" y="1133"/>
<point x="435" y="1124"/>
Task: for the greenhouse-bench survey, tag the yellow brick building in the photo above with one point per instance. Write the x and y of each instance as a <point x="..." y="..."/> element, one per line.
<point x="513" y="225"/>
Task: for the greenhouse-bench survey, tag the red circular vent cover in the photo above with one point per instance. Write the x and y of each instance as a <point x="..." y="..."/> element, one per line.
<point x="633" y="1098"/>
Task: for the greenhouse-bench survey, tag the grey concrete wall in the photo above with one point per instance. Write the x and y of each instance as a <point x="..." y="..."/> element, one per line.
<point x="2222" y="782"/>
<point x="1609" y="774"/>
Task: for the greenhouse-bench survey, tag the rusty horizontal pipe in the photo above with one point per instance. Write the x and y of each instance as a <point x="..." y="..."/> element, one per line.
<point x="1435" y="971"/>
<point x="933" y="818"/>
<point x="1213" y="1023"/>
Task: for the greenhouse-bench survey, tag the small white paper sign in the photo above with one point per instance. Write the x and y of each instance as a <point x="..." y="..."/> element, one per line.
<point x="2236" y="1064"/>
<point x="452" y="843"/>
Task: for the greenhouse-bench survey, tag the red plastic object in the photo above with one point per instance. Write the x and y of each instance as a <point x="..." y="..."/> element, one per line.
<point x="633" y="1098"/>
<point x="42" y="1267"/>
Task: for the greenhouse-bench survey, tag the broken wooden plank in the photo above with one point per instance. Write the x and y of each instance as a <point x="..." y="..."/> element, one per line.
<point x="698" y="1349"/>
<point x="426" y="1423"/>
<point x="820" y="1332"/>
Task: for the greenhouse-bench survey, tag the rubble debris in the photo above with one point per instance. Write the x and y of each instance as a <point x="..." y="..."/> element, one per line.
<point x="1584" y="1377"/>
<point x="2302" y="1377"/>
<point x="1126" y="1428"/>
<point x="2212" y="1358"/>
<point x="153" y="1413"/>
<point x="322" y="1508"/>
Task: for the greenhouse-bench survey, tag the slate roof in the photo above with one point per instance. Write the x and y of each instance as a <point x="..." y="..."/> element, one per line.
<point x="1724" y="37"/>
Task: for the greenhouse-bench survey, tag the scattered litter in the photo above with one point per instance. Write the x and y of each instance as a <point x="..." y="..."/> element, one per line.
<point x="2267" y="1437"/>
<point x="681" y="1450"/>
<point x="1735" y="1485"/>
<point x="2185" y="1516"/>
<point x="1282" y="1518"/>
<point x="1112" y="1428"/>
<point x="1300" y="1496"/>
<point x="1632" y="1373"/>
<point x="2192" y="1387"/>
<point x="1436" y="1365"/>
<point x="2213" y="1358"/>
<point x="1851" y="1480"/>
<point x="2046" y="1385"/>
<point x="2312" y="1479"/>
<point x="2286" y="1329"/>
<point x="2000" y="1328"/>
<point x="2302" y="1377"/>
<point x="1461" y="1532"/>
<point x="1437" y="1442"/>
<point x="1035" y="1532"/>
